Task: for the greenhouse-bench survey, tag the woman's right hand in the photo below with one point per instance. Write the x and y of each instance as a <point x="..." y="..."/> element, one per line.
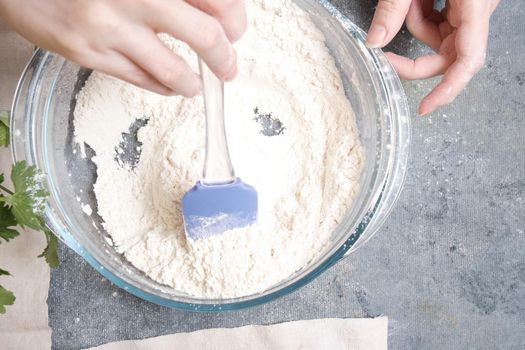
<point x="119" y="37"/>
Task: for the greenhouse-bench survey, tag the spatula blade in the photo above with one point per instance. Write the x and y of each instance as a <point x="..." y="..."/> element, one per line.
<point x="213" y="209"/>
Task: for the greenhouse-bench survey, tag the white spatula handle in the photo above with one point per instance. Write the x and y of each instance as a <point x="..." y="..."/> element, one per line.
<point x="218" y="167"/>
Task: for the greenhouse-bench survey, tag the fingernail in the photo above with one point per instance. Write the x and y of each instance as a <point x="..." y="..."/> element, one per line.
<point x="232" y="73"/>
<point x="376" y="36"/>
<point x="422" y="112"/>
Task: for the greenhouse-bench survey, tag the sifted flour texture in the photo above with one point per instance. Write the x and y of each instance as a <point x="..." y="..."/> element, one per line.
<point x="292" y="135"/>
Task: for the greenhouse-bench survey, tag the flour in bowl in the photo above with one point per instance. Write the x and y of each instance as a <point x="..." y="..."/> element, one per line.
<point x="292" y="135"/>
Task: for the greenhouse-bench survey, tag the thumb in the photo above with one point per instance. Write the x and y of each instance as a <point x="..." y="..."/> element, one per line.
<point x="388" y="19"/>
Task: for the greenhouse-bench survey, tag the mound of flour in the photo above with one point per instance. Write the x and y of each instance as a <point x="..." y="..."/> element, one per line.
<point x="306" y="173"/>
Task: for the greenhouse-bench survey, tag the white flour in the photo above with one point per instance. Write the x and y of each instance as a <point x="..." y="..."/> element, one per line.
<point x="306" y="177"/>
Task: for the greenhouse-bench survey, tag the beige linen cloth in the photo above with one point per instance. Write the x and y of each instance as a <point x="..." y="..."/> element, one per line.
<point x="324" y="334"/>
<point x="25" y="325"/>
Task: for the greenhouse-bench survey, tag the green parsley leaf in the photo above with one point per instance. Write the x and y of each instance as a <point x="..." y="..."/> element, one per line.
<point x="4" y="272"/>
<point x="4" y="135"/>
<point x="51" y="251"/>
<point x="4" y="118"/>
<point x="8" y="234"/>
<point x="28" y="201"/>
<point x="6" y="217"/>
<point x="25" y="207"/>
<point x="4" y="129"/>
<point x="6" y="298"/>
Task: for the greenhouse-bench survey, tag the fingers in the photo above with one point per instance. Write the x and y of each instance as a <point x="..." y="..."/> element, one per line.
<point x="470" y="44"/>
<point x="421" y="68"/>
<point x="420" y="26"/>
<point x="119" y="66"/>
<point x="146" y="50"/>
<point x="472" y="36"/>
<point x="493" y="5"/>
<point x="230" y="13"/>
<point x="201" y="31"/>
<point x="446" y="91"/>
<point x="454" y="81"/>
<point x="388" y="19"/>
<point x="445" y="29"/>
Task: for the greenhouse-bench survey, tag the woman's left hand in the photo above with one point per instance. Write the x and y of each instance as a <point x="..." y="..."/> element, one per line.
<point x="458" y="34"/>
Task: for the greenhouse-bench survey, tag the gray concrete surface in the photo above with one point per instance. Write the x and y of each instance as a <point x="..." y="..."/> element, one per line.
<point x="448" y="268"/>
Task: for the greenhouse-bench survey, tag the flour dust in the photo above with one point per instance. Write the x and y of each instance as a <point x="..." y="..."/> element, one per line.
<point x="292" y="135"/>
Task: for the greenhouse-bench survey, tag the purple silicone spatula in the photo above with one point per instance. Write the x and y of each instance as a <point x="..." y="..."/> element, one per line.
<point x="220" y="201"/>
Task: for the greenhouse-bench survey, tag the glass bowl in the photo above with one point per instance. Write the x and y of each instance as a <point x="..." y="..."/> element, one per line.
<point x="42" y="124"/>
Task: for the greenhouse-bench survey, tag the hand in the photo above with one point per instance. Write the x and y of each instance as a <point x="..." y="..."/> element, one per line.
<point x="118" y="37"/>
<point x="458" y="34"/>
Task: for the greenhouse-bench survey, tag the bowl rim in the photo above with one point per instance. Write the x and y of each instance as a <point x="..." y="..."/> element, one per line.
<point x="385" y="199"/>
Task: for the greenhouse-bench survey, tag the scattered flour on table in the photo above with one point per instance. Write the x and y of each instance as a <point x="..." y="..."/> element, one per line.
<point x="86" y="208"/>
<point x="306" y="175"/>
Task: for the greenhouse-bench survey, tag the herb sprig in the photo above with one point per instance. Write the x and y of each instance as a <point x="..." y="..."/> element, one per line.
<point x="22" y="207"/>
<point x="4" y="129"/>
